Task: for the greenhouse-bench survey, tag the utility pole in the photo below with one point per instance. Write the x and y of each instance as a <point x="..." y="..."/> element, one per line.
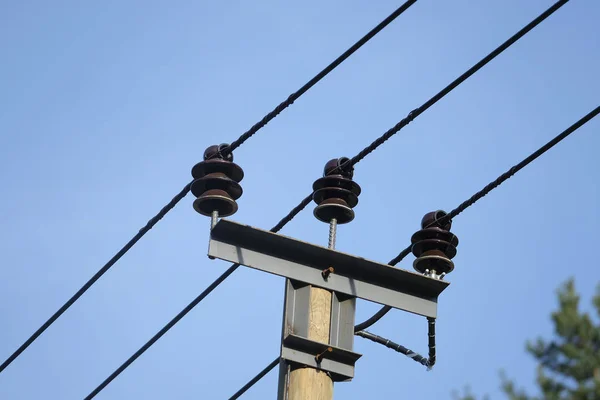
<point x="322" y="284"/>
<point x="307" y="383"/>
<point x="336" y="194"/>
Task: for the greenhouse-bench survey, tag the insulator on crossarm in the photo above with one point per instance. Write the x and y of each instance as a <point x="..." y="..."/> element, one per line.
<point x="434" y="245"/>
<point x="216" y="182"/>
<point x="336" y="194"/>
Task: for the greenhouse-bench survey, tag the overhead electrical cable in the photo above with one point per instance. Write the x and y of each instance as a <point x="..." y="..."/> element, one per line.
<point x="257" y="378"/>
<point x="430" y="361"/>
<point x="455" y="83"/>
<point x="252" y="131"/>
<point x="96" y="276"/>
<point x="188" y="308"/>
<point x="294" y="96"/>
<point x="235" y="144"/>
<point x="487" y="189"/>
<point x="353" y="161"/>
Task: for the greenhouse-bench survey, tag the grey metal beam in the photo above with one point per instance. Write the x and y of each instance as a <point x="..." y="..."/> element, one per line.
<point x="339" y="362"/>
<point x="298" y="260"/>
<point x="341" y="332"/>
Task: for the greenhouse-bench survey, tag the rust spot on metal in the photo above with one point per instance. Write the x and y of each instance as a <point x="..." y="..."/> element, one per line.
<point x="326" y="272"/>
<point x="319" y="356"/>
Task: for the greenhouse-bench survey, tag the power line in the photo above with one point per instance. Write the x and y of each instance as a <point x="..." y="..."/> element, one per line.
<point x="442" y="93"/>
<point x="430" y="361"/>
<point x="359" y="157"/>
<point x="294" y="96"/>
<point x="234" y="145"/>
<point x="189" y="307"/>
<point x="516" y="168"/>
<point x="257" y="378"/>
<point x="486" y="189"/>
<point x="284" y="220"/>
<point x="411" y="116"/>
<point x="164" y="330"/>
<point x="96" y="276"/>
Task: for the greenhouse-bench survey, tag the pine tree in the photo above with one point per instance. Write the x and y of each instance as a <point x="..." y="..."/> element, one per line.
<point x="569" y="364"/>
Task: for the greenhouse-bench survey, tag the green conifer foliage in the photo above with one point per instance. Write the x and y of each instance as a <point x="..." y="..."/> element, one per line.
<point x="569" y="364"/>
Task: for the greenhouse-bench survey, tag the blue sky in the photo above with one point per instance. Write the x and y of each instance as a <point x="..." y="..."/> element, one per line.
<point x="107" y="105"/>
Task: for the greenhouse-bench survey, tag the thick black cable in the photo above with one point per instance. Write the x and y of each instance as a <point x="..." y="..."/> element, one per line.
<point x="190" y="306"/>
<point x="361" y="155"/>
<point x="429" y="362"/>
<point x="385" y="309"/>
<point x="416" y="112"/>
<point x="373" y="319"/>
<point x="294" y="96"/>
<point x="96" y="276"/>
<point x="235" y="144"/>
<point x="516" y="168"/>
<point x="480" y="194"/>
<point x="164" y="330"/>
<point x="284" y="221"/>
<point x="257" y="378"/>
<point x="455" y="83"/>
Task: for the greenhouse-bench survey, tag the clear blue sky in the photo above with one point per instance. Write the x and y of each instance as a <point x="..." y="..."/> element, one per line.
<point x="106" y="106"/>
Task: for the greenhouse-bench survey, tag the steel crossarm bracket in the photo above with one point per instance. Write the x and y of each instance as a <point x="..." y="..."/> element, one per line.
<point x="306" y="262"/>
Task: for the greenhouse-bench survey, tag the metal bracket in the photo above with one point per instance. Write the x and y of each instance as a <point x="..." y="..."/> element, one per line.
<point x="335" y="357"/>
<point x="338" y="362"/>
<point x="347" y="276"/>
<point x="305" y="262"/>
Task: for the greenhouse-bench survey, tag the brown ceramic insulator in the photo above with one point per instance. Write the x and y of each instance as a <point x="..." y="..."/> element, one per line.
<point x="215" y="200"/>
<point x="232" y="170"/>
<point x="336" y="194"/>
<point x="434" y="234"/>
<point x="434" y="238"/>
<point x="336" y="209"/>
<point x="337" y="181"/>
<point x="427" y="245"/>
<point x="216" y="182"/>
<point x="433" y="262"/>
<point x="434" y="245"/>
<point x="349" y="198"/>
<point x="219" y="181"/>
